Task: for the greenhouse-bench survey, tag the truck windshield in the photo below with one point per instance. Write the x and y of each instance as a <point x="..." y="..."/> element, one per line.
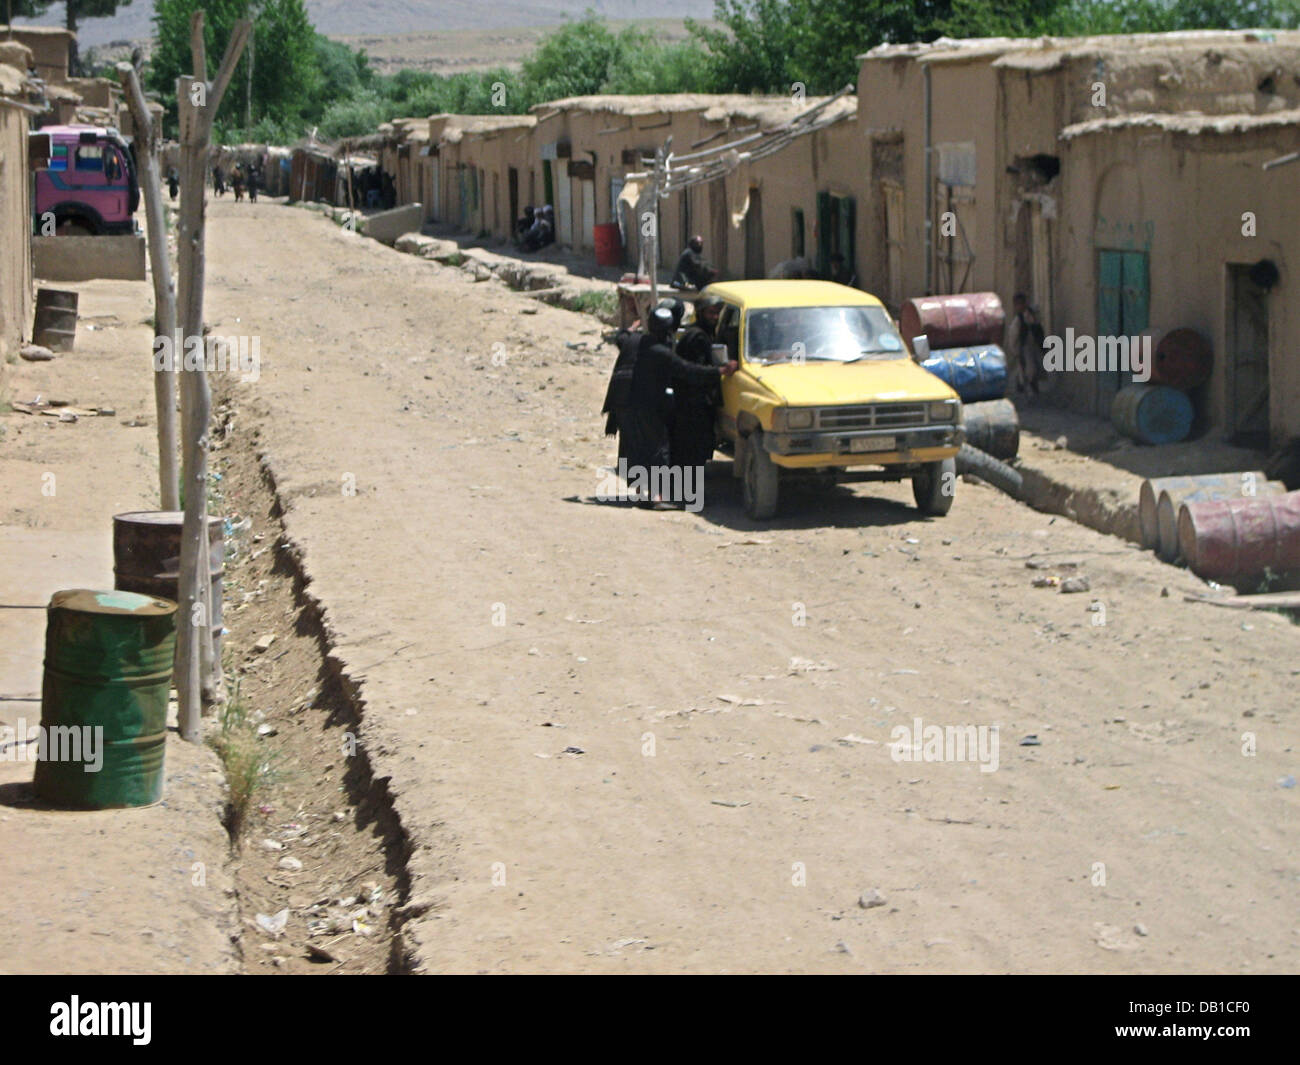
<point x="820" y="334"/>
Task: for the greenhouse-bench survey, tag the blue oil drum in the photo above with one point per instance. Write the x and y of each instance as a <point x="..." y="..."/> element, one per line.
<point x="1152" y="414"/>
<point x="975" y="373"/>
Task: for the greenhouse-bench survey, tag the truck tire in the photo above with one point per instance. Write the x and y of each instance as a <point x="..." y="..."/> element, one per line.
<point x="760" y="479"/>
<point x="74" y="227"/>
<point x="935" y="486"/>
<point x="984" y="466"/>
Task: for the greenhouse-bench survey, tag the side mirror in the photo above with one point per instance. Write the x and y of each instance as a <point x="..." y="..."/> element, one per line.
<point x="920" y="348"/>
<point x="719" y="353"/>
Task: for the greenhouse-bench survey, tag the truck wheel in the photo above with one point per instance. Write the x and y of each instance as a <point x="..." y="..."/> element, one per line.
<point x="73" y="228"/>
<point x="935" y="486"/>
<point x="760" y="481"/>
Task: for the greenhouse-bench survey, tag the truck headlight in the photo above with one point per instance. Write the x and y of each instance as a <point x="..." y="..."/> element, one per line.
<point x="791" y="418"/>
<point x="944" y="410"/>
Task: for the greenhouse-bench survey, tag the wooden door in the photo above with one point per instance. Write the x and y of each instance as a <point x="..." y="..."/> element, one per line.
<point x="1247" y="358"/>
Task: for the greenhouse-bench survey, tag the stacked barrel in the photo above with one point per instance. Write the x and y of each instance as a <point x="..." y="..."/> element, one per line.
<point x="1230" y="527"/>
<point x="964" y="332"/>
<point x="1161" y="411"/>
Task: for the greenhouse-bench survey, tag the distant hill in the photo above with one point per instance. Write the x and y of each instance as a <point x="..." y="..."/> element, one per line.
<point x="350" y="18"/>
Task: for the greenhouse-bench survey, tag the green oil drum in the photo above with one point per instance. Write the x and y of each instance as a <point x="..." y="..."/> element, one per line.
<point x="108" y="669"/>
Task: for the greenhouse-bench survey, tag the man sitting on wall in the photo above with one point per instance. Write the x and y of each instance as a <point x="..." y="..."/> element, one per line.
<point x="524" y="224"/>
<point x="542" y="231"/>
<point x="693" y="270"/>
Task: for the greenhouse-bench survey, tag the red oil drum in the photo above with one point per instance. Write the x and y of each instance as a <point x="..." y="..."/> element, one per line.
<point x="1183" y="360"/>
<point x="609" y="245"/>
<point x="1231" y="539"/>
<point x="1171" y="501"/>
<point x="965" y="320"/>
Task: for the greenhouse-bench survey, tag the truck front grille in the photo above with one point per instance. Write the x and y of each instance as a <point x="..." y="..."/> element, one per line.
<point x="871" y="416"/>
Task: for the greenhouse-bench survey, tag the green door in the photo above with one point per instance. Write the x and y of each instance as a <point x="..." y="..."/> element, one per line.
<point x="848" y="209"/>
<point x="1135" y="296"/>
<point x="1109" y="280"/>
<point x="1123" y="307"/>
<point x="825" y="227"/>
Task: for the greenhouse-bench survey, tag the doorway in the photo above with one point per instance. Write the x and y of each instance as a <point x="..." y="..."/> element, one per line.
<point x="586" y="236"/>
<point x="1246" y="344"/>
<point x="836" y="232"/>
<point x="512" y="185"/>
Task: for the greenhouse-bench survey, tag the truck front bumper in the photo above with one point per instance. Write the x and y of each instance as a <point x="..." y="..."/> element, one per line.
<point x="868" y="447"/>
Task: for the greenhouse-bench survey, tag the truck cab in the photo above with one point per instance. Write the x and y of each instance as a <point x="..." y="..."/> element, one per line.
<point x="826" y="385"/>
<point x="85" y="181"/>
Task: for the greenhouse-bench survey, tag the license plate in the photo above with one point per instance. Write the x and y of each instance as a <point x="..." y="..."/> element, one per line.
<point x="859" y="444"/>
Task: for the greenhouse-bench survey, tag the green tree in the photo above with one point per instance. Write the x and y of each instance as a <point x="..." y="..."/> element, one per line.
<point x="644" y="65"/>
<point x="768" y="45"/>
<point x="25" y="9"/>
<point x="343" y="71"/>
<point x="754" y="49"/>
<point x="575" y="60"/>
<point x="282" y="56"/>
<point x="1163" y="16"/>
<point x="285" y="82"/>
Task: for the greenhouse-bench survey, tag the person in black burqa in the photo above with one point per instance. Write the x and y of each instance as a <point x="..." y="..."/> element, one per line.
<point x="618" y="394"/>
<point x="693" y="436"/>
<point x="650" y="412"/>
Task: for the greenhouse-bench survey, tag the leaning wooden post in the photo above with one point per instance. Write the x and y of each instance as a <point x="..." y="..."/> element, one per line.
<point x="210" y="687"/>
<point x="197" y="103"/>
<point x="164" y="288"/>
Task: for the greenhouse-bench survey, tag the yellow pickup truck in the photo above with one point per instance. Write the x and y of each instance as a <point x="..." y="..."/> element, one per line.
<point x="826" y="384"/>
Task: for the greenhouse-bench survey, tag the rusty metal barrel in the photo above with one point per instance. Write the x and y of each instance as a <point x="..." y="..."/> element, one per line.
<point x="993" y="427"/>
<point x="1227" y="484"/>
<point x="147" y="558"/>
<point x="959" y="321"/>
<point x="1252" y="485"/>
<point x="1239" y="539"/>
<point x="1152" y="414"/>
<point x="108" y="669"/>
<point x="55" y="324"/>
<point x="1183" y="360"/>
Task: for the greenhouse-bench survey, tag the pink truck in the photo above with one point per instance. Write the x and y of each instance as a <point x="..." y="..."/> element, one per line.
<point x="85" y="181"/>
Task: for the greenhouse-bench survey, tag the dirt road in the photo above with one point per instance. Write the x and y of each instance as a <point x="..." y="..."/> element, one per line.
<point x="632" y="741"/>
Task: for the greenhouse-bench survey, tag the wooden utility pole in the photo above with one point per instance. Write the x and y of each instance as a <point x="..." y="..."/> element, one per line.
<point x="164" y="289"/>
<point x="197" y="674"/>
